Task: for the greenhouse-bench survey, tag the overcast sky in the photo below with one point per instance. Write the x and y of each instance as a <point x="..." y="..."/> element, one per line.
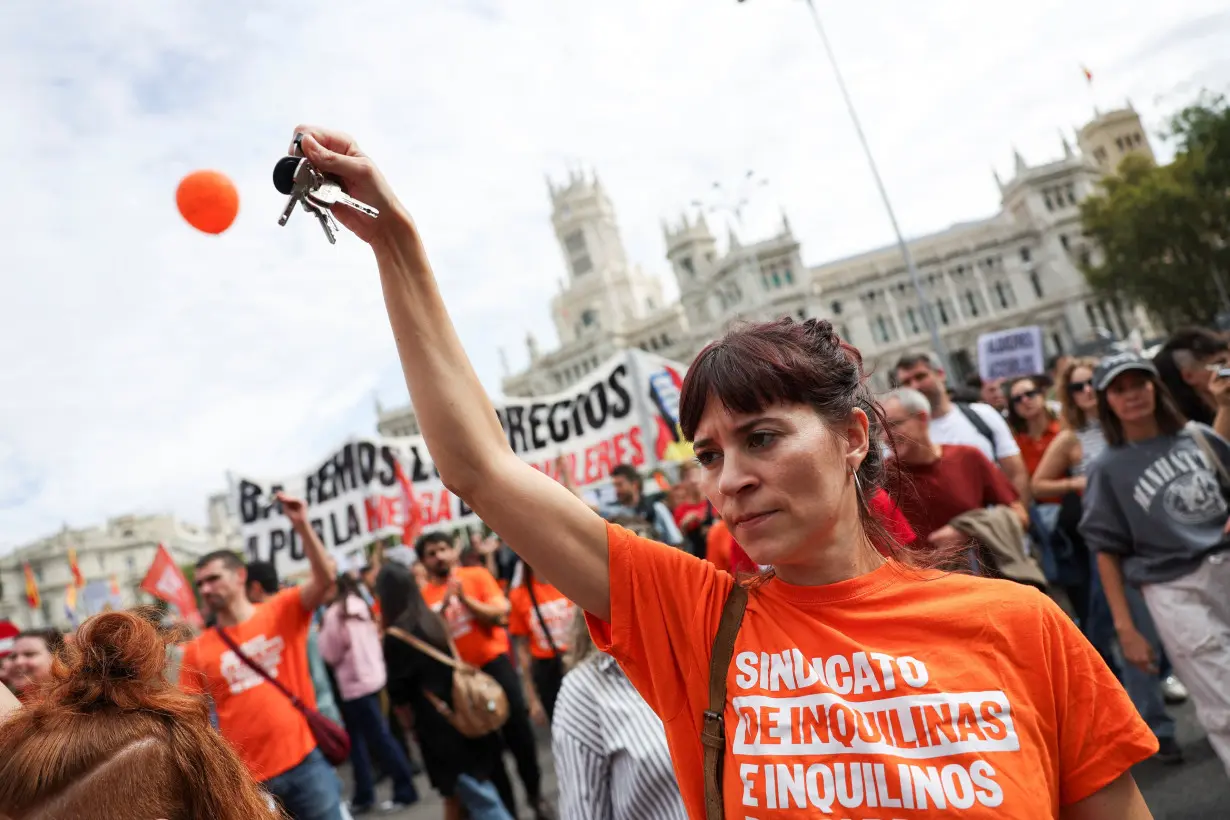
<point x="143" y="359"/>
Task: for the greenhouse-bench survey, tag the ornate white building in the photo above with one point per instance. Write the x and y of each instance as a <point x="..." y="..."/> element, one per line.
<point x="119" y="551"/>
<point x="1016" y="267"/>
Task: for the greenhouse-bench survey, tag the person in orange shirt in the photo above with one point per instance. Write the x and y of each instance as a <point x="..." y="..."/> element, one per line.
<point x="271" y="736"/>
<point x="540" y="622"/>
<point x="858" y="685"/>
<point x="476" y="611"/>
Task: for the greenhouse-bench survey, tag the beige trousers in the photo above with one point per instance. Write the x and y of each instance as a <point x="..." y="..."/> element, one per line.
<point x="1192" y="615"/>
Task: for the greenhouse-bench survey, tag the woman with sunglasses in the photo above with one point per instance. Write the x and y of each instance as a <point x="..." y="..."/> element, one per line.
<point x="850" y="684"/>
<point x="1156" y="513"/>
<point x="1063" y="472"/>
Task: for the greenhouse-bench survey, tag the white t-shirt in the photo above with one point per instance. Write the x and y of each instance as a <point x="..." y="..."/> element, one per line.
<point x="955" y="428"/>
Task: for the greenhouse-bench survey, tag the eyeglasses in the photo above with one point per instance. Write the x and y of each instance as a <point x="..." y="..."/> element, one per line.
<point x="1028" y="394"/>
<point x="1079" y="387"/>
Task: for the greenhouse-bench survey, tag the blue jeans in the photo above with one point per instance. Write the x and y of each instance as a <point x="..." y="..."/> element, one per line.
<point x="481" y="799"/>
<point x="1142" y="687"/>
<point x="368" y="728"/>
<point x="310" y="791"/>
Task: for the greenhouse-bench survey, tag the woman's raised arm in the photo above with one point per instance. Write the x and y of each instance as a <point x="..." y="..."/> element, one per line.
<point x="545" y="523"/>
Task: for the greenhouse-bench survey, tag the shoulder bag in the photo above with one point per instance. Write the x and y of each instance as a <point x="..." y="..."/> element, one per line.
<point x="542" y="621"/>
<point x="333" y="741"/>
<point x="480" y="706"/>
<point x="713" y="733"/>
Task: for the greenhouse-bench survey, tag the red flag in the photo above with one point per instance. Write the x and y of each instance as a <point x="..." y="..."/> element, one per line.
<point x="410" y="529"/>
<point x="1088" y="74"/>
<point x="33" y="599"/>
<point x="166" y="582"/>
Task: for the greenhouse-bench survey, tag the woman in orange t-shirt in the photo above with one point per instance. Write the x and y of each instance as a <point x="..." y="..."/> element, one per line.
<point x="858" y="686"/>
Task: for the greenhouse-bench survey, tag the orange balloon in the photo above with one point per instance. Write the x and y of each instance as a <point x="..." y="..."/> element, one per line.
<point x="208" y="201"/>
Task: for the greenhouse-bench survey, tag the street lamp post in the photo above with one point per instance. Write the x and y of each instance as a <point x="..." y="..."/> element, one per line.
<point x="937" y="344"/>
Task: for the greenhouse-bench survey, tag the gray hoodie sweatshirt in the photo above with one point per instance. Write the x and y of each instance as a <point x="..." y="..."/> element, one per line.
<point x="1159" y="504"/>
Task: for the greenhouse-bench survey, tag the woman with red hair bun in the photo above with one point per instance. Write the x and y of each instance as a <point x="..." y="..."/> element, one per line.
<point x="109" y="738"/>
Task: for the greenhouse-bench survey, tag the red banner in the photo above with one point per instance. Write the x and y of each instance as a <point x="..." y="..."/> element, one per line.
<point x="166" y="582"/>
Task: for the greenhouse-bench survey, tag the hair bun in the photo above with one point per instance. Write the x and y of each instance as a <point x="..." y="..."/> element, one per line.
<point x="112" y="658"/>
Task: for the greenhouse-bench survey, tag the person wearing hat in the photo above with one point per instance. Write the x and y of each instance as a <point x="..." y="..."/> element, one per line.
<point x="1155" y="510"/>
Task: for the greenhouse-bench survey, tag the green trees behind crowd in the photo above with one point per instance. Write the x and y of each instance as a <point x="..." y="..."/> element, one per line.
<point x="1164" y="231"/>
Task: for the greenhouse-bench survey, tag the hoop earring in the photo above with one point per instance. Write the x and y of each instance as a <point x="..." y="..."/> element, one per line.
<point x="858" y="485"/>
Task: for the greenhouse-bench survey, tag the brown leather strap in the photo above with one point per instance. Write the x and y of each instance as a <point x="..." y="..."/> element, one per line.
<point x="713" y="733"/>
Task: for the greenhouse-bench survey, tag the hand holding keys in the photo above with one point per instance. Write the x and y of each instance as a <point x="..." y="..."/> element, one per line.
<point x="316" y="191"/>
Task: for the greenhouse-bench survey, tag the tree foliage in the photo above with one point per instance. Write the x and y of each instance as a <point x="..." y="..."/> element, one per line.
<point x="1164" y="231"/>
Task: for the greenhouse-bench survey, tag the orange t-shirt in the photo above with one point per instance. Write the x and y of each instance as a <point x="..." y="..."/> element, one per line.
<point x="896" y="695"/>
<point x="477" y="645"/>
<point x="556" y="610"/>
<point x="269" y="734"/>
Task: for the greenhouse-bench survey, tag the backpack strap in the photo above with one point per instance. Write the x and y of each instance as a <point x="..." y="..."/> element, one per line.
<point x="980" y="424"/>
<point x="713" y="733"/>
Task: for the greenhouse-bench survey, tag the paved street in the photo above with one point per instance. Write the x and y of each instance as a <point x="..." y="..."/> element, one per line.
<point x="1196" y="790"/>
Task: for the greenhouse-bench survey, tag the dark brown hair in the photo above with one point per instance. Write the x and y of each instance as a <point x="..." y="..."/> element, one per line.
<point x="1073" y="416"/>
<point x="110" y="738"/>
<point x="755" y="366"/>
<point x="51" y="637"/>
<point x="1170" y="420"/>
<point x="1015" y="421"/>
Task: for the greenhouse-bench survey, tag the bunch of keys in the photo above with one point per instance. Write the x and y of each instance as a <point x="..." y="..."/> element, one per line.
<point x="315" y="190"/>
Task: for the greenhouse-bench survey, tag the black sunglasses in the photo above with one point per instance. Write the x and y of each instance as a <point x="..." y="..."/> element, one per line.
<point x="1079" y="387"/>
<point x="1028" y="394"/>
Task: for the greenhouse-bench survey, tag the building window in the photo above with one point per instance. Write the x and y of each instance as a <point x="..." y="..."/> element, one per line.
<point x="802" y="315"/>
<point x="1002" y="293"/>
<point x="589" y="318"/>
<point x="686" y="264"/>
<point x="1063" y="240"/>
<point x="649" y="304"/>
<point x="1036" y="281"/>
<point x="911" y="319"/>
<point x="1025" y="254"/>
<point x="972" y="302"/>
<point x="942" y="311"/>
<point x="789" y="276"/>
<point x="653" y="343"/>
<point x="835" y="308"/>
<point x="777" y="280"/>
<point x="101" y="566"/>
<point x="844" y="332"/>
<point x="881" y="329"/>
<point x="1057" y="342"/>
<point x="1099" y="156"/>
<point x="1046" y="199"/>
<point x="1071" y="192"/>
<point x="38" y="573"/>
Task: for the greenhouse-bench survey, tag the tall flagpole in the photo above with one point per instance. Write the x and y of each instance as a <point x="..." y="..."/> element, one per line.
<point x="937" y="344"/>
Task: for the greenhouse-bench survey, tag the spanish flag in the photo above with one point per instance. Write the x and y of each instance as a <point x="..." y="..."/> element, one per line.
<point x="78" y="578"/>
<point x="33" y="599"/>
<point x="70" y="604"/>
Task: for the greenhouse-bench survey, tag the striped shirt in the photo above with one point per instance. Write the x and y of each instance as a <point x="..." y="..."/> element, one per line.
<point x="611" y="758"/>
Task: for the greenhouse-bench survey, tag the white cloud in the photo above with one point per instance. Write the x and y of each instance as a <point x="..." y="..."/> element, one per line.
<point x="143" y="359"/>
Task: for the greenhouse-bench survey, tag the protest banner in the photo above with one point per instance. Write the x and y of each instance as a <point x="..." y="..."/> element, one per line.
<point x="1006" y="354"/>
<point x="623" y="412"/>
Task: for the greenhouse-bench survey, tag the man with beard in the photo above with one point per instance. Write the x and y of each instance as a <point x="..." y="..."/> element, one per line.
<point x="269" y="733"/>
<point x="476" y="611"/>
